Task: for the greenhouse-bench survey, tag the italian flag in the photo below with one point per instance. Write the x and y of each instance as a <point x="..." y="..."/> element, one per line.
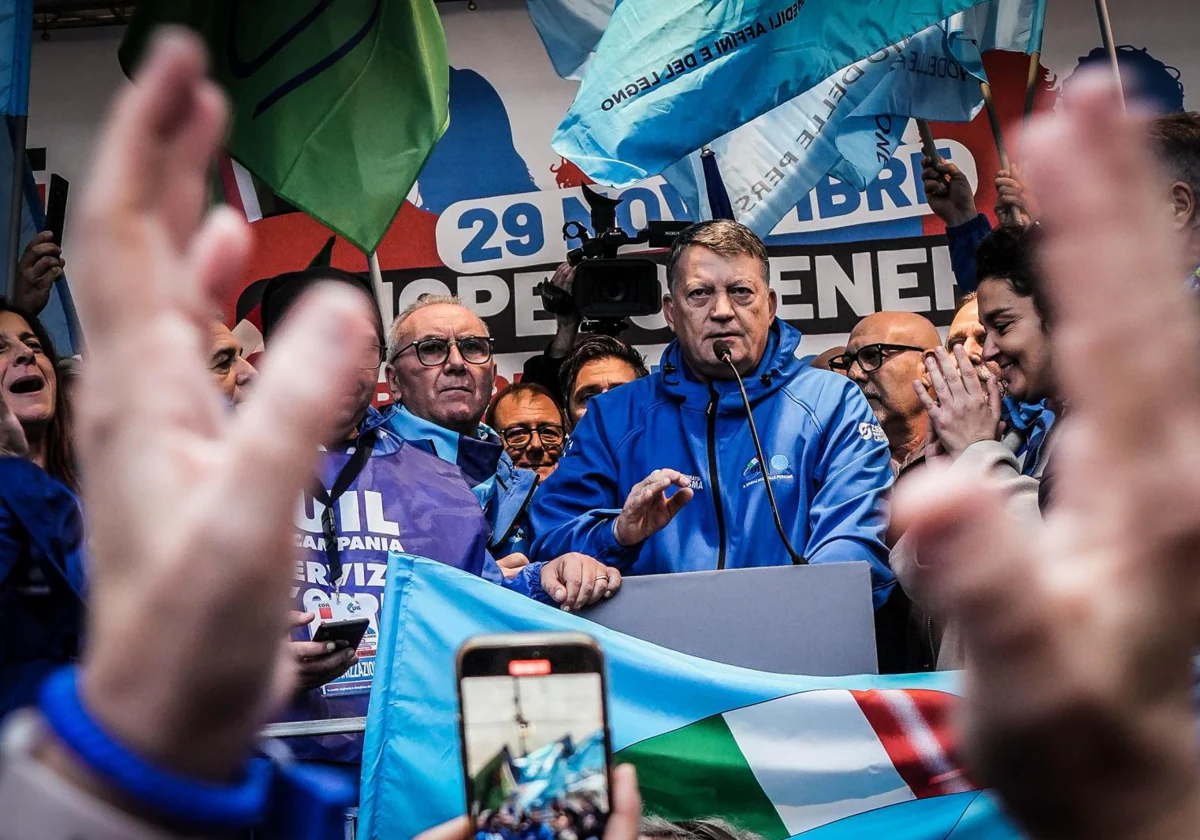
<point x="827" y="758"/>
<point x="792" y="764"/>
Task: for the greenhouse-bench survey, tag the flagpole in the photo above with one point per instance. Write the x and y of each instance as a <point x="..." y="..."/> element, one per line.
<point x="381" y="292"/>
<point x="998" y="135"/>
<point x="1035" y="58"/>
<point x="928" y="144"/>
<point x="14" y="207"/>
<point x="1106" y="36"/>
<point x="1035" y="63"/>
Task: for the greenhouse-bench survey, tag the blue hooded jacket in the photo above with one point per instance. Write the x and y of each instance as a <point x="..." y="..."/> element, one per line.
<point x="41" y="579"/>
<point x="828" y="464"/>
<point x="504" y="490"/>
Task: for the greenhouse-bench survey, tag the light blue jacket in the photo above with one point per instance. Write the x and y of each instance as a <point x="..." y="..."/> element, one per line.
<point x="504" y="490"/>
<point x="827" y="458"/>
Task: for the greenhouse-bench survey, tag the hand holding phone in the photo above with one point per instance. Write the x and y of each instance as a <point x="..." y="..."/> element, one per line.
<point x="534" y="729"/>
<point x="350" y="631"/>
<point x="624" y="823"/>
<point x="320" y="661"/>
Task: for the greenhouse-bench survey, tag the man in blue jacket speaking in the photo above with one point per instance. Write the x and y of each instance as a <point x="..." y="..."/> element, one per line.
<point x="684" y="429"/>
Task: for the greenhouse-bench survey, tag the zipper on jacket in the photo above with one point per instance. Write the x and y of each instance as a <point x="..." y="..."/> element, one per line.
<point x="716" y="478"/>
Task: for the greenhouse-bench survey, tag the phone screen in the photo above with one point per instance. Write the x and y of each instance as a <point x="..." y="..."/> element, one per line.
<point x="535" y="753"/>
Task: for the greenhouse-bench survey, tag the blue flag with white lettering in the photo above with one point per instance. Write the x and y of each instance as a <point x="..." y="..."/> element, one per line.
<point x="669" y="76"/>
<point x="849" y="125"/>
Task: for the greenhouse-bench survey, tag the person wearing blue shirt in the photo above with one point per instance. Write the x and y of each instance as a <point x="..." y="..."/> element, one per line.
<point x="375" y="494"/>
<point x="441" y="374"/>
<point x="684" y="428"/>
<point x="42" y="583"/>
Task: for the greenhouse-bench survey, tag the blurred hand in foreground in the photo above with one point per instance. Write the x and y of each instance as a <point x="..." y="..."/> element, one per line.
<point x="189" y="505"/>
<point x="1080" y="628"/>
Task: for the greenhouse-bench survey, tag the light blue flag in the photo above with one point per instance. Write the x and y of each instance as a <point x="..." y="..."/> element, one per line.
<point x="59" y="316"/>
<point x="16" y="30"/>
<point x="669" y="76"/>
<point x="850" y="124"/>
<point x="570" y="29"/>
<point x="820" y="757"/>
<point x="543" y="774"/>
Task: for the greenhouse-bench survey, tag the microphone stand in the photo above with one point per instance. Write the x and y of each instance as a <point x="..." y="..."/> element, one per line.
<point x="725" y="354"/>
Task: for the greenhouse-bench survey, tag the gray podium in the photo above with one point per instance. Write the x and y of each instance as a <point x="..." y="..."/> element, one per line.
<point x="815" y="620"/>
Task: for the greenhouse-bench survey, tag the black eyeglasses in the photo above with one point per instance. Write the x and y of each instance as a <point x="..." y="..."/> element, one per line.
<point x="518" y="437"/>
<point x="871" y="357"/>
<point x="431" y="352"/>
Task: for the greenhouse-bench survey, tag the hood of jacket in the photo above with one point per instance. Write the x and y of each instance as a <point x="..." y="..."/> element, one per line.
<point x="777" y="366"/>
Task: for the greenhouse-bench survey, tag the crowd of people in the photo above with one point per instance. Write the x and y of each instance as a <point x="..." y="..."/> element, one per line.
<point x="576" y="819"/>
<point x="1044" y="544"/>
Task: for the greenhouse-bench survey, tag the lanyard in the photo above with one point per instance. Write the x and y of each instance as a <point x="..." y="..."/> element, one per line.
<point x="345" y="477"/>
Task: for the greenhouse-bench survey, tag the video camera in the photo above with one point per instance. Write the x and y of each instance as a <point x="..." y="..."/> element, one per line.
<point x="608" y="290"/>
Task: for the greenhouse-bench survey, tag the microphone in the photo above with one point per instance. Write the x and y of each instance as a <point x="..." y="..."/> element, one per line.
<point x="724" y="353"/>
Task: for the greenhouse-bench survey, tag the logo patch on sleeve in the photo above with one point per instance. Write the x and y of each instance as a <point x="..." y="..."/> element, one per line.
<point x="872" y="431"/>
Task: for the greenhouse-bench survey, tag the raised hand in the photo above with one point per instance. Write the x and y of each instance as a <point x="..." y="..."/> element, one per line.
<point x="965" y="408"/>
<point x="189" y="506"/>
<point x="1015" y="202"/>
<point x="1080" y="627"/>
<point x="648" y="509"/>
<point x="40" y="265"/>
<point x="948" y="191"/>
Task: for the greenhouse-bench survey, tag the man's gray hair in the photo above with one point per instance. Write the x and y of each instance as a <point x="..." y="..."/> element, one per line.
<point x="427" y="299"/>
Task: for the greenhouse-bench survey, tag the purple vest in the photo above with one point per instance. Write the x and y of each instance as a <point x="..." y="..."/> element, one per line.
<point x="404" y="500"/>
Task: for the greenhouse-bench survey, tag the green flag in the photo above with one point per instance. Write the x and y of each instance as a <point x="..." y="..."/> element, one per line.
<point x="336" y="105"/>
<point x="495" y="783"/>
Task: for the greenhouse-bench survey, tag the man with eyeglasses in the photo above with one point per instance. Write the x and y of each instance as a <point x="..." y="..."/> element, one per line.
<point x="530" y="423"/>
<point x="373" y="494"/>
<point x="441" y="374"/>
<point x="884" y="356"/>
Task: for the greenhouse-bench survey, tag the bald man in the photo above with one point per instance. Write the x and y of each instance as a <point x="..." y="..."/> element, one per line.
<point x="884" y="355"/>
<point x="822" y="361"/>
<point x="966" y="330"/>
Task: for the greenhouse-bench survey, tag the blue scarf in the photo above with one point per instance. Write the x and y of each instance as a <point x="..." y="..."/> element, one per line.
<point x="476" y="456"/>
<point x="1033" y="420"/>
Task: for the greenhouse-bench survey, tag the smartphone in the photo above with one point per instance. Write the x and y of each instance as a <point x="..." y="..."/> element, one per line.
<point x="533" y="723"/>
<point x="350" y="631"/>
<point x="56" y="207"/>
